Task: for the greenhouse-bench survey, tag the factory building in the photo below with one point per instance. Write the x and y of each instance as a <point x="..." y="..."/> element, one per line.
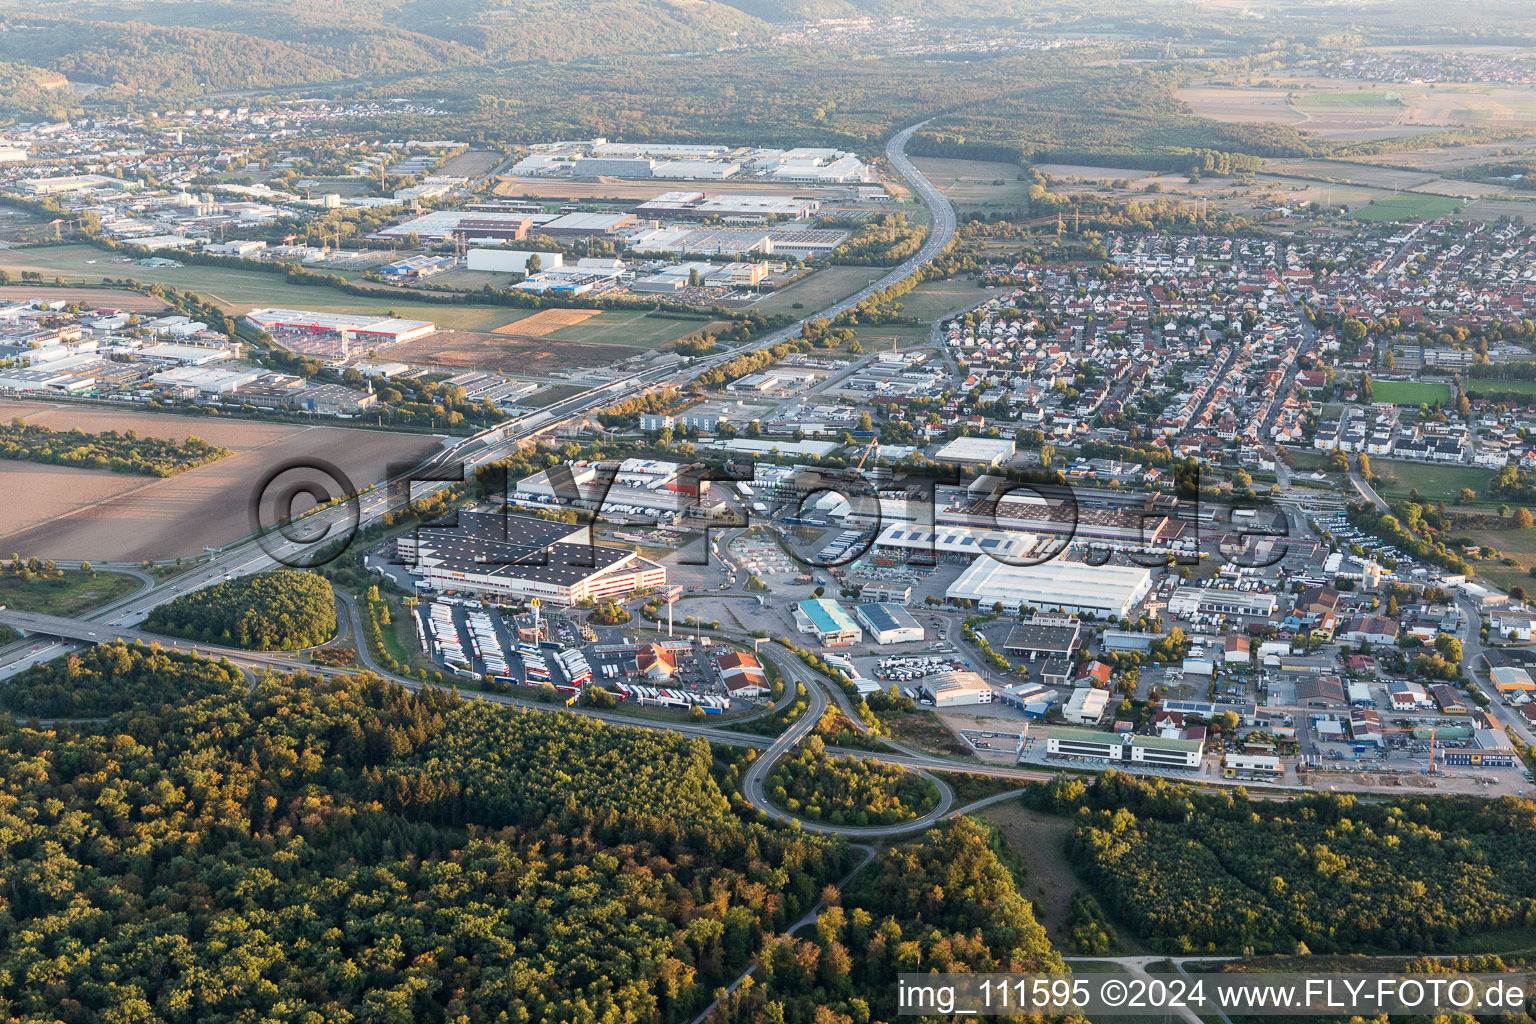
<point x="512" y="261"/>
<point x="976" y="451"/>
<point x="888" y="623"/>
<point x="953" y="689"/>
<point x="1050" y="636"/>
<point x="829" y="621"/>
<point x="1075" y="588"/>
<point x="520" y="557"/>
<point x="1189" y="601"/>
<point x="368" y="330"/>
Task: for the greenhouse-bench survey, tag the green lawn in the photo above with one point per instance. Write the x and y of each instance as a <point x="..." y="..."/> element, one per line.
<point x="1485" y="386"/>
<point x="1433" y="482"/>
<point x="819" y="290"/>
<point x="68" y="595"/>
<point x="1408" y="206"/>
<point x="1410" y="392"/>
<point x="934" y="300"/>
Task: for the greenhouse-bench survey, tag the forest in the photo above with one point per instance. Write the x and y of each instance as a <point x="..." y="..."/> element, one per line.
<point x="346" y="850"/>
<point x="279" y="610"/>
<point x="944" y="903"/>
<point x="1197" y="872"/>
<point x="847" y="790"/>
<point x="122" y="453"/>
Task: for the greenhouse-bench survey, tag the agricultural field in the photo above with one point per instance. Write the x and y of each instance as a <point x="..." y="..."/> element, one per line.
<point x="68" y="513"/>
<point x="457" y="351"/>
<point x="1405" y="206"/>
<point x="1517" y="544"/>
<point x="110" y="298"/>
<point x="474" y="164"/>
<point x="819" y="290"/>
<point x="1410" y="392"/>
<point x="1240" y="105"/>
<point x="632" y="329"/>
<point x="977" y="184"/>
<point x="1089" y="172"/>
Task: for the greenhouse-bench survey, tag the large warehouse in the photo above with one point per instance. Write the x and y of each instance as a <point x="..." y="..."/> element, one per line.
<point x="517" y="556"/>
<point x="373" y="330"/>
<point x="828" y="620"/>
<point x="1073" y="587"/>
<point x="888" y="623"/>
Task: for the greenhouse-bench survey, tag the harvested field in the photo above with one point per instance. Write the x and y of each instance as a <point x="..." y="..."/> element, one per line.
<point x="104" y="516"/>
<point x="1238" y="105"/>
<point x="512" y="353"/>
<point x="1089" y="172"/>
<point x="110" y="297"/>
<point x="546" y="321"/>
<point x="472" y="164"/>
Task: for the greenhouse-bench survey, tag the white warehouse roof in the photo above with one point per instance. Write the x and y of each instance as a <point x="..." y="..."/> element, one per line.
<point x="1070" y="586"/>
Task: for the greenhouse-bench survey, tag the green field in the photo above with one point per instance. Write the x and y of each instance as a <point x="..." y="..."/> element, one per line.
<point x="1488" y="386"/>
<point x="626" y="327"/>
<point x="1408" y="206"/>
<point x="1364" y="99"/>
<point x="1433" y="482"/>
<point x="1410" y="392"/>
<point x="934" y="300"/>
<point x="70" y="594"/>
<point x="819" y="290"/>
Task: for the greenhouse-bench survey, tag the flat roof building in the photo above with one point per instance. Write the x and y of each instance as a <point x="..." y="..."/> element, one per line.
<point x="951" y="689"/>
<point x="888" y="623"/>
<point x="829" y="621"/>
<point x="1070" y="587"/>
<point x="976" y="451"/>
<point x="1086" y="706"/>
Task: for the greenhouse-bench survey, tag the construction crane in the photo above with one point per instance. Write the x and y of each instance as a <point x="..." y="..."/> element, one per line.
<point x="874" y="443"/>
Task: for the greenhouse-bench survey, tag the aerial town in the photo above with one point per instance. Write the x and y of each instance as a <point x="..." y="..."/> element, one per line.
<point x="766" y="509"/>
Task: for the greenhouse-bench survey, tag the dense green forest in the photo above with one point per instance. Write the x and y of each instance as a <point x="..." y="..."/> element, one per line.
<point x="111" y="678"/>
<point x="122" y="453"/>
<point x="848" y="791"/>
<point x="1193" y="872"/>
<point x="280" y="610"/>
<point x="944" y="903"/>
<point x="347" y="850"/>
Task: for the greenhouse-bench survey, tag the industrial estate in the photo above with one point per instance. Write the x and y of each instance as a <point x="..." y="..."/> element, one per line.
<point x="794" y="542"/>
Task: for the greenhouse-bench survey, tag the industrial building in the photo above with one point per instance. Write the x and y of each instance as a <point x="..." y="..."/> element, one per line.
<point x="829" y="621"/>
<point x="1077" y="588"/>
<point x="366" y="330"/>
<point x="588" y="225"/>
<point x="888" y="623"/>
<point x="1159" y="751"/>
<point x="516" y="556"/>
<point x="512" y="261"/>
<point x="1044" y="635"/>
<point x="976" y="451"/>
<point x="1257" y="765"/>
<point x="953" y="689"/>
<point x="1189" y="601"/>
<point x="1086" y="706"/>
